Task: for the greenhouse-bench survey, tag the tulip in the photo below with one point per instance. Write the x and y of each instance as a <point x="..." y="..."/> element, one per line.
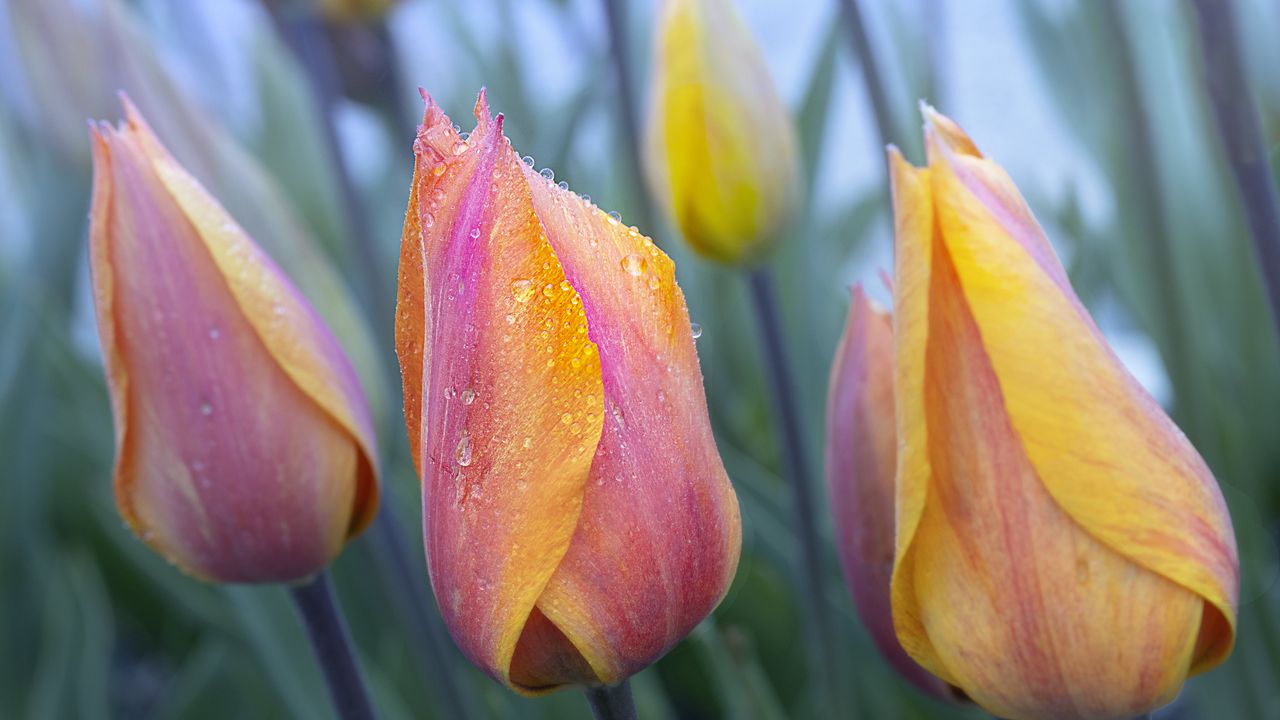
<point x="721" y="146"/>
<point x="861" y="461"/>
<point x="244" y="446"/>
<point x="1062" y="550"/>
<point x="578" y="520"/>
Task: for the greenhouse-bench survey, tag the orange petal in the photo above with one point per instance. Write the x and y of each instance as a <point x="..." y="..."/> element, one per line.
<point x="230" y="461"/>
<point x="577" y="525"/>
<point x="657" y="545"/>
<point x="503" y="397"/>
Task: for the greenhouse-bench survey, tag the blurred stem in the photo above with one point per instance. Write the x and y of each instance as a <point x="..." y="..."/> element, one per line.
<point x="1241" y="135"/>
<point x="876" y="94"/>
<point x="612" y="702"/>
<point x="305" y="35"/>
<point x="412" y="604"/>
<point x="615" y="13"/>
<point x="796" y="469"/>
<point x="332" y="645"/>
<point x="1150" y="195"/>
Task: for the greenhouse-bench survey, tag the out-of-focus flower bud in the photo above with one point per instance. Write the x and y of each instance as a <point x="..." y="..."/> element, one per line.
<point x="721" y="146"/>
<point x="862" y="448"/>
<point x="1062" y="550"/>
<point x="244" y="446"/>
<point x="578" y="518"/>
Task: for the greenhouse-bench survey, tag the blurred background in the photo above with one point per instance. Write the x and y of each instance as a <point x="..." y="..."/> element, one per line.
<point x="299" y="117"/>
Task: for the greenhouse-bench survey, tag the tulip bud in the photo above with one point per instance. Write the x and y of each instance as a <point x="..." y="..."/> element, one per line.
<point x="244" y="446"/>
<point x="721" y="146"/>
<point x="1062" y="550"/>
<point x="578" y="519"/>
<point x="861" y="460"/>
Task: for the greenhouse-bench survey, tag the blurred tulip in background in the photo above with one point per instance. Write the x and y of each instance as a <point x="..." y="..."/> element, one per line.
<point x="721" y="145"/>
<point x="1062" y="550"/>
<point x="862" y="446"/>
<point x="244" y="446"/>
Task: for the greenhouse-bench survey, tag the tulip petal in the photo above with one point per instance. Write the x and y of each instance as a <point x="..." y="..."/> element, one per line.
<point x="503" y="395"/>
<point x="658" y="541"/>
<point x="1139" y="487"/>
<point x="862" y="446"/>
<point x="199" y="397"/>
<point x="284" y="321"/>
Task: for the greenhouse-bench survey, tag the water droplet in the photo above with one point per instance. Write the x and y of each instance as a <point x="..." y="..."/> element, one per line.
<point x="575" y="429"/>
<point x="562" y="185"/>
<point x="214" y="333"/>
<point x="522" y="290"/>
<point x="566" y="418"/>
<point x="463" y="452"/>
<point x="696" y="330"/>
<point x="459" y="148"/>
<point x="586" y="199"/>
<point x="654" y="283"/>
<point x="548" y="173"/>
<point x="662" y="396"/>
<point x="511" y="320"/>
<point x="615" y="217"/>
<point x="635" y="265"/>
<point x="528" y="442"/>
<point x="206" y="409"/>
<point x="475" y="233"/>
<point x="528" y="160"/>
<point x="465" y="136"/>
<point x="468" y="396"/>
<point x="428" y="220"/>
<point x="548" y="290"/>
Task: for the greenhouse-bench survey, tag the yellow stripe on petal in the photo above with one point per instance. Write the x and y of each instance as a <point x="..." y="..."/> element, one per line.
<point x="913" y="233"/>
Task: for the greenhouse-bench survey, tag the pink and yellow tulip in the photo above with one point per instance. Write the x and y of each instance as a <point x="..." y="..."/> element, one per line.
<point x="720" y="145"/>
<point x="578" y="519"/>
<point x="862" y="446"/>
<point x="1062" y="550"/>
<point x="244" y="446"/>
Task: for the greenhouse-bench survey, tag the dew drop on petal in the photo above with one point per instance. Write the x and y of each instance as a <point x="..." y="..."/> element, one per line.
<point x="614" y="217"/>
<point x="695" y="329"/>
<point x="463" y="452"/>
<point x="635" y="265"/>
<point x="468" y="396"/>
<point x="562" y="185"/>
<point x="206" y="409"/>
<point x="548" y="173"/>
<point x="475" y="233"/>
<point x="214" y="333"/>
<point x="566" y="418"/>
<point x="522" y="290"/>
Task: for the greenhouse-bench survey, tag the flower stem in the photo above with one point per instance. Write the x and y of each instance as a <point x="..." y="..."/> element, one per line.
<point x="876" y="94"/>
<point x="412" y="603"/>
<point x="1241" y="134"/>
<point x="796" y="468"/>
<point x="332" y="645"/>
<point x="612" y="702"/>
<point x="615" y="15"/>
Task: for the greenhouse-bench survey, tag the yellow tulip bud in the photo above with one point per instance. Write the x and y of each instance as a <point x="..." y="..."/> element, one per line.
<point x="721" y="145"/>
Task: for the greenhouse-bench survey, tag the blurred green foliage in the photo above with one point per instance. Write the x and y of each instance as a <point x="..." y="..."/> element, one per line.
<point x="93" y="625"/>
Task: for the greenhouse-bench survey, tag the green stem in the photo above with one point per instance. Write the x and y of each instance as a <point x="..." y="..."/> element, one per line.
<point x="796" y="469"/>
<point x="612" y="702"/>
<point x="1242" y="139"/>
<point x="332" y="645"/>
<point x="615" y="14"/>
<point x="871" y="79"/>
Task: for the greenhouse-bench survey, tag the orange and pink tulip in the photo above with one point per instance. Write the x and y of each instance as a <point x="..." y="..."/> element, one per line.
<point x="1062" y="550"/>
<point x="244" y="446"/>
<point x="578" y="519"/>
